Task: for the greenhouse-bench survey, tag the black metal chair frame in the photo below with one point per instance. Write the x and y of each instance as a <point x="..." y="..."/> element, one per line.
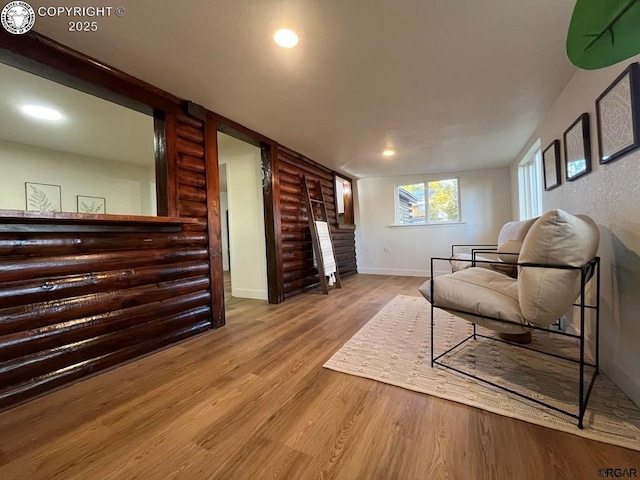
<point x="587" y="273"/>
<point x="476" y="248"/>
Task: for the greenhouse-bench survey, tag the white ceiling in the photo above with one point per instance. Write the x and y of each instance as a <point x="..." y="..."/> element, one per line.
<point x="451" y="85"/>
<point x="91" y="127"/>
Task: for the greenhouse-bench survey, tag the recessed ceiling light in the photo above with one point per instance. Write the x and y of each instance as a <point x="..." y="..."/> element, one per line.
<point x="286" y="38"/>
<point x="42" y="113"/>
<point x="389" y="153"/>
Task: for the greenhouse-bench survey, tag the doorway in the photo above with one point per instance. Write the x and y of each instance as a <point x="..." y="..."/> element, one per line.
<point x="244" y="252"/>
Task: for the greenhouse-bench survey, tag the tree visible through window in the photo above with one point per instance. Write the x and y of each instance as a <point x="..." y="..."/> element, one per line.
<point x="428" y="202"/>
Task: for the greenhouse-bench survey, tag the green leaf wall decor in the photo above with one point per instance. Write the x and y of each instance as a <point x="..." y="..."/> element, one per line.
<point x="603" y="32"/>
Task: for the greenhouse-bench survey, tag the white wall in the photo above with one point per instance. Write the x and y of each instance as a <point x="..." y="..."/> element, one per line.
<point x="610" y="194"/>
<point x="485" y="197"/>
<point x="246" y="226"/>
<point x="125" y="186"/>
<point x="224" y="206"/>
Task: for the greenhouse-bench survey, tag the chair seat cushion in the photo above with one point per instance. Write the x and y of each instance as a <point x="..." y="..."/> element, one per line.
<point x="478" y="291"/>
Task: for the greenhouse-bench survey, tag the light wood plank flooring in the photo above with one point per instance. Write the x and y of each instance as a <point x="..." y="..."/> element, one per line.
<point x="227" y="285"/>
<point x="251" y="401"/>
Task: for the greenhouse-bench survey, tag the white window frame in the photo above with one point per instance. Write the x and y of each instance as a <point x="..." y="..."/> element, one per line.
<point x="396" y="203"/>
<point x="530" y="183"/>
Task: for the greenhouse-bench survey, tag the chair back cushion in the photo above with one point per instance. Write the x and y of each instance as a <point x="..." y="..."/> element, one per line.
<point x="511" y="237"/>
<point x="556" y="238"/>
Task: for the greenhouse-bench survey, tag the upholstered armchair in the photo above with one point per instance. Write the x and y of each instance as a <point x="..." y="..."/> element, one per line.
<point x="555" y="263"/>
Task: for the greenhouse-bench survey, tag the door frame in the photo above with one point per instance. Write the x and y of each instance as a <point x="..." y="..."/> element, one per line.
<point x="271" y="200"/>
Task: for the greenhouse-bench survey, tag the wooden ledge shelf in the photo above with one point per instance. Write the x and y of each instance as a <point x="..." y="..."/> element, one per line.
<point x="26" y="221"/>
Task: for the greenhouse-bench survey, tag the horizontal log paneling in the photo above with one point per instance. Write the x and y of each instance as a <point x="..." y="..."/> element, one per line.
<point x="38" y="267"/>
<point x="300" y="166"/>
<point x="189" y="208"/>
<point x="298" y="273"/>
<point x="192" y="194"/>
<point x="82" y="298"/>
<point x="47" y="289"/>
<point x="44" y="361"/>
<point x="345" y="242"/>
<point x="50" y="303"/>
<point x="188" y="132"/>
<point x="190" y="148"/>
<point x="186" y="177"/>
<point x="292" y="236"/>
<point x="60" y="244"/>
<point x="190" y="121"/>
<point x="200" y="225"/>
<point x="79" y="329"/>
<point x="292" y="246"/>
<point x="56" y="378"/>
<point x="27" y="317"/>
<point x="192" y="164"/>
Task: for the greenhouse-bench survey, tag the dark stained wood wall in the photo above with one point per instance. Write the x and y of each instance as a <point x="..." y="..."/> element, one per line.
<point x="78" y="302"/>
<point x="82" y="293"/>
<point x="80" y="298"/>
<point x="298" y="272"/>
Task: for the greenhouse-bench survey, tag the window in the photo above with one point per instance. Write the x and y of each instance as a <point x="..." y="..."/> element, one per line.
<point x="530" y="183"/>
<point x="428" y="202"/>
<point x="344" y="201"/>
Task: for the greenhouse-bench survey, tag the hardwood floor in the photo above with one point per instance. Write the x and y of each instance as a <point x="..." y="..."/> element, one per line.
<point x="226" y="275"/>
<point x="251" y="400"/>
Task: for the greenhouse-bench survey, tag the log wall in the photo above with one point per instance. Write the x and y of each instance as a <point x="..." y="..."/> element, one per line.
<point x="81" y="293"/>
<point x="78" y="298"/>
<point x="298" y="272"/>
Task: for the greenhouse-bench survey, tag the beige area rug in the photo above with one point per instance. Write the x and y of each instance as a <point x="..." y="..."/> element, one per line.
<point x="393" y="347"/>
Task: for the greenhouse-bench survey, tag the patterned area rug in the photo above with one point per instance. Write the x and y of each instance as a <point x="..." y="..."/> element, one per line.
<point x="393" y="347"/>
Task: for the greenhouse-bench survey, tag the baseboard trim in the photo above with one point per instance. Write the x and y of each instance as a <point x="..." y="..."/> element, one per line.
<point x="248" y="293"/>
<point x="400" y="272"/>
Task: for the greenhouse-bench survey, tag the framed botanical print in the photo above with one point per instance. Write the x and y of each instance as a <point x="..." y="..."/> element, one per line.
<point x="88" y="204"/>
<point x="551" y="165"/>
<point x="42" y="197"/>
<point x="618" y="115"/>
<point x="577" y="148"/>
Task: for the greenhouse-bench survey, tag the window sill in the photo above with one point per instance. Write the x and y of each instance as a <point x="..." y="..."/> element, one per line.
<point x="428" y="225"/>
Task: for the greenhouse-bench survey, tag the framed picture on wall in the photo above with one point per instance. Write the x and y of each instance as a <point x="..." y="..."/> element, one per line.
<point x="618" y="115"/>
<point x="91" y="204"/>
<point x="577" y="148"/>
<point x="42" y="197"/>
<point x="551" y="165"/>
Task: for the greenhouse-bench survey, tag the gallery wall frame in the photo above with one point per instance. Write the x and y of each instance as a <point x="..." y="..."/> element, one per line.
<point x="551" y="165"/>
<point x="577" y="148"/>
<point x="618" y="116"/>
<point x="43" y="197"/>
